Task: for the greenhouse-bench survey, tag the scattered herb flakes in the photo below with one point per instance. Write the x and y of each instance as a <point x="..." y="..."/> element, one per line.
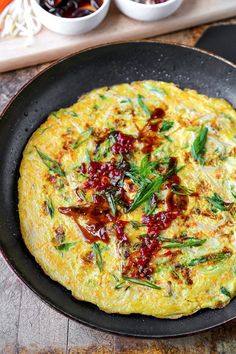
<point x="54" y="114"/>
<point x="50" y="207"/>
<point x="102" y="97"/>
<point x="72" y="114"/>
<point x="142" y="282"/>
<point x="225" y="292"/>
<point x="140" y="174"/>
<point x="218" y="202"/>
<point x="112" y="202"/>
<point x="167" y="239"/>
<point x="233" y="192"/>
<point x="51" y="164"/>
<point x="167" y="137"/>
<point x="136" y="224"/>
<point x="105" y="148"/>
<point x="176" y="274"/>
<point x="84" y="136"/>
<point x="215" y="257"/>
<point x="149" y="207"/>
<point x="98" y="255"/>
<point x="87" y="156"/>
<point x="119" y="285"/>
<point x="65" y="246"/>
<point x="148" y="188"/>
<point x="189" y="243"/>
<point x="146" y="191"/>
<point x="81" y="194"/>
<point x="198" y="147"/>
<point x="127" y="100"/>
<point x="156" y="90"/>
<point x="60" y="184"/>
<point x="83" y="175"/>
<point x="166" y="125"/>
<point x="181" y="190"/>
<point x="44" y="130"/>
<point x="143" y="105"/>
<point x="115" y="277"/>
<point x="226" y="116"/>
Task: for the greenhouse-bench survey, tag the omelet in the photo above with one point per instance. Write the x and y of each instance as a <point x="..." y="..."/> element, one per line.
<point x="128" y="199"/>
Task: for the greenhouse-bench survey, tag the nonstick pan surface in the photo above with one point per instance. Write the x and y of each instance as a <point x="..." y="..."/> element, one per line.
<point x="59" y="86"/>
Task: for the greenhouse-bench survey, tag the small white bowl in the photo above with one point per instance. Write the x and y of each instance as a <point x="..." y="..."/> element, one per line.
<point x="144" y="12"/>
<point x="70" y="26"/>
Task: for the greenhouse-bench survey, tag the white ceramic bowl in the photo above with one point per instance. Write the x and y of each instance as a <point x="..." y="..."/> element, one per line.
<point x="70" y="26"/>
<point x="144" y="12"/>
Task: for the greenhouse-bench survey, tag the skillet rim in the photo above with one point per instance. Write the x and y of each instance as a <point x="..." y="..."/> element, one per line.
<point x="54" y="63"/>
<point x="44" y="298"/>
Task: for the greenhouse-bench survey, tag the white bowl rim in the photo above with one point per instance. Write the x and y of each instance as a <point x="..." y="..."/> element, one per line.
<point x="151" y="6"/>
<point x="68" y="19"/>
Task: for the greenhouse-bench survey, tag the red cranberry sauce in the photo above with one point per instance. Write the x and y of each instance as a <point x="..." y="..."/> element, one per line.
<point x="120" y="231"/>
<point x="138" y="262"/>
<point x="102" y="175"/>
<point x="124" y="144"/>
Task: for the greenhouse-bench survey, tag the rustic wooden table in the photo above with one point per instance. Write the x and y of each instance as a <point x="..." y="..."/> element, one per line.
<point x="28" y="326"/>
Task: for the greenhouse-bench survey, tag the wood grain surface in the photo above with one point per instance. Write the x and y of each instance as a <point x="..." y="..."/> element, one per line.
<point x="28" y="326"/>
<point x="116" y="27"/>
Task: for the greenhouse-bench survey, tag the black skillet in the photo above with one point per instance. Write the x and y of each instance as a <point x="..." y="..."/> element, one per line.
<point x="59" y="86"/>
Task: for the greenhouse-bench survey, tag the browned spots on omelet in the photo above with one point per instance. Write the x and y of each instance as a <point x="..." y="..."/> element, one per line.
<point x="209" y="214"/>
<point x="233" y="151"/>
<point x="219" y="174"/>
<point x="45" y="208"/>
<point x="119" y="123"/>
<point x="185" y="123"/>
<point x="52" y="179"/>
<point x="203" y="186"/>
<point x="59" y="236"/>
<point x="175" y="276"/>
<point x="68" y="139"/>
<point x="215" y="125"/>
<point x="227" y="250"/>
<point x="185" y="218"/>
<point x="100" y="135"/>
<point x="220" y="304"/>
<point x="174" y="255"/>
<point x="186" y="273"/>
<point x="88" y="258"/>
<point x="68" y="144"/>
<point x="60" y="155"/>
<point x="187" y="156"/>
<point x="129" y="186"/>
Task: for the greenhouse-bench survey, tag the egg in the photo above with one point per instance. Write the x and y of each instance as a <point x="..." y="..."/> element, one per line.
<point x="128" y="199"/>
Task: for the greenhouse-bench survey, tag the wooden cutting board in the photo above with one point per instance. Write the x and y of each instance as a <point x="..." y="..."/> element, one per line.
<point x="48" y="46"/>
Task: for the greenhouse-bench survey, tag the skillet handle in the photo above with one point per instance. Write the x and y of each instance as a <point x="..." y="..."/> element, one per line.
<point x="220" y="40"/>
